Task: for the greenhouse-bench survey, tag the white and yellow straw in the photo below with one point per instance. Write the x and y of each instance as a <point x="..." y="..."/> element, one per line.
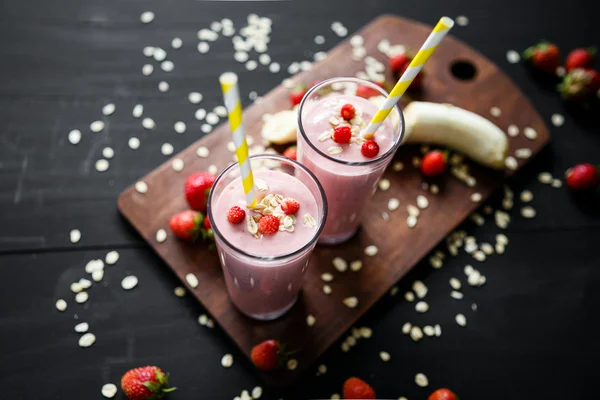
<point x="231" y="96"/>
<point x="415" y="66"/>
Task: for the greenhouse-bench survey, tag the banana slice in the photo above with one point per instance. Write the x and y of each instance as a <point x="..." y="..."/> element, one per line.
<point x="456" y="128"/>
<point x="280" y="128"/>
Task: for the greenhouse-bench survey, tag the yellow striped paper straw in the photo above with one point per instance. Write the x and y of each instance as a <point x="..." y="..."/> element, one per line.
<point x="435" y="37"/>
<point x="231" y="96"/>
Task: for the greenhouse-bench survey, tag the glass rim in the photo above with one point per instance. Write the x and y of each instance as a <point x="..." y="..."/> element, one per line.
<point x="392" y="149"/>
<point x="283" y="256"/>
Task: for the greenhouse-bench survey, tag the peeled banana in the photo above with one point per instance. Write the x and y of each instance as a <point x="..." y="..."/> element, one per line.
<point x="280" y="128"/>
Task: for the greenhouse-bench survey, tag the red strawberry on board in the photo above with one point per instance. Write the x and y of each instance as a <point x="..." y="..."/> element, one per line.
<point x="186" y="225"/>
<point x="433" y="163"/>
<point x="580" y="58"/>
<point x="442" y="394"/>
<point x="579" y="84"/>
<point x="368" y="92"/>
<point x="544" y="56"/>
<point x="348" y="112"/>
<point x="291" y="153"/>
<point x="355" y="388"/>
<point x="145" y="383"/>
<point x="583" y="177"/>
<point x="267" y="355"/>
<point x="399" y="62"/>
<point x="297" y="94"/>
<point x="196" y="188"/>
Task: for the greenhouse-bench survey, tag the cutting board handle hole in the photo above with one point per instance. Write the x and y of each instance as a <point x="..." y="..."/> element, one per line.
<point x="463" y="70"/>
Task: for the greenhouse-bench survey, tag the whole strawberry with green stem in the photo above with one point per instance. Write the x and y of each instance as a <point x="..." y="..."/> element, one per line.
<point x="187" y="225"/>
<point x="196" y="188"/>
<point x="268" y="355"/>
<point x="544" y="56"/>
<point x="580" y="58"/>
<point x="145" y="383"/>
<point x="297" y="94"/>
<point x="579" y="84"/>
<point x="583" y="176"/>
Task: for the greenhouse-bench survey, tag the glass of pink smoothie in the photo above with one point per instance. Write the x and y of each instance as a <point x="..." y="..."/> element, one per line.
<point x="264" y="271"/>
<point x="348" y="177"/>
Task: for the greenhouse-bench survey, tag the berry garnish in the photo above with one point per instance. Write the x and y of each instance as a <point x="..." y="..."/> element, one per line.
<point x="348" y="112"/>
<point x="342" y="134"/>
<point x="267" y="355"/>
<point x="369" y="149"/>
<point x="236" y="215"/>
<point x="268" y="225"/>
<point x="434" y="163"/>
<point x="290" y="206"/>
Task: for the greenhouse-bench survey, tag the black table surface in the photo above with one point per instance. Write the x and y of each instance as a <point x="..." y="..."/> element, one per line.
<point x="533" y="335"/>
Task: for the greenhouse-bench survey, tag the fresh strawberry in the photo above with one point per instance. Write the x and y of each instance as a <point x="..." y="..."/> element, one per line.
<point x="369" y="149"/>
<point x="579" y="84"/>
<point x="291" y="153"/>
<point x="580" y="58"/>
<point x="399" y="62"/>
<point x="433" y="163"/>
<point x="342" y="134"/>
<point x="290" y="206"/>
<point x="268" y="225"/>
<point x="186" y="225"/>
<point x="348" y="112"/>
<point x="297" y="95"/>
<point x="367" y="91"/>
<point x="267" y="355"/>
<point x="196" y="188"/>
<point x="207" y="225"/>
<point x="583" y="176"/>
<point x="236" y="215"/>
<point x="145" y="383"/>
<point x="442" y="394"/>
<point x="355" y="388"/>
<point x="417" y="83"/>
<point x="543" y="56"/>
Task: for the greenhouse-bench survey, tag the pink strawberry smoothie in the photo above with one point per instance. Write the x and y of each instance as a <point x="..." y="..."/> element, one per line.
<point x="260" y="287"/>
<point x="348" y="177"/>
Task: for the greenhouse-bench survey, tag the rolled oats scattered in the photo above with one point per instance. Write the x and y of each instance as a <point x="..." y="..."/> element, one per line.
<point x="326" y="289"/>
<point x="161" y="235"/>
<point x="456" y="295"/>
<point x="385" y="356"/>
<point x="340" y="264"/>
<point x="409" y="296"/>
<point x="98" y="275"/>
<point x="511" y="163"/>
<point x="350" y="302"/>
<point x="479" y="255"/>
<point x="292" y="364"/>
<point x="411" y="221"/>
<point x="412" y="210"/>
<point x="421" y="380"/>
<point x="334" y="150"/>
<point x="435" y="262"/>
<point x="310" y="320"/>
<point x="530" y="133"/>
<point x="556" y="183"/>
<point x="422" y="202"/>
<point x="557" y="120"/>
<point x="406" y="328"/>
<point x="384" y="184"/>
<point x="487" y="248"/>
<point x="227" y="361"/>
<point x="97" y="126"/>
<point x="420" y="289"/>
<point x="545" y="177"/>
<point x="523" y="153"/>
<point x="191" y="280"/>
<point x="528" y="212"/>
<point x="421" y="307"/>
<point x="365" y="332"/>
<point x="87" y="339"/>
<point x="495" y="112"/>
<point x="61" y="305"/>
<point x="82" y="297"/>
<point x="322" y="369"/>
<point x="455" y="283"/>
<point x="438" y="330"/>
<point x="394" y="290"/>
<point x="393" y="204"/>
<point x="371" y="250"/>
<point x="356" y="265"/>
<point x="257" y="392"/>
<point x="428" y="330"/>
<point x="513" y="56"/>
<point x="461" y="320"/>
<point x="109" y="390"/>
<point x="513" y="131"/>
<point x="327" y="277"/>
<point x="416" y="333"/>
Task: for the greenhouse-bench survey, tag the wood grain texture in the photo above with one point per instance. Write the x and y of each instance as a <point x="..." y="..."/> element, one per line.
<point x="400" y="248"/>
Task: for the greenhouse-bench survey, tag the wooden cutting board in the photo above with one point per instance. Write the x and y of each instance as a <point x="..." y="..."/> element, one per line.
<point x="400" y="248"/>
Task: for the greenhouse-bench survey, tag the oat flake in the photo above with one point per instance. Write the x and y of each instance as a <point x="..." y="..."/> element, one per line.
<point x="227" y="361"/>
<point x="109" y="390"/>
<point x="61" y="305"/>
<point x="292" y="364"/>
<point x="129" y="282"/>
<point x="310" y="320"/>
<point x="371" y="250"/>
<point x="82" y="327"/>
<point x="513" y="56"/>
<point x="384" y="184"/>
<point x="340" y="264"/>
<point x="141" y="187"/>
<point x="406" y="328"/>
<point x="192" y="280"/>
<point x="385" y="356"/>
<point x="350" y="302"/>
<point x="87" y="339"/>
<point x="421" y="380"/>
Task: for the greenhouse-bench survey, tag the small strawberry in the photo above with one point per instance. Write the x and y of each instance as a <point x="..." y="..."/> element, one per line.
<point x="145" y="383"/>
<point x="369" y="149"/>
<point x="236" y="215"/>
<point x="433" y="163"/>
<point x="579" y="84"/>
<point x="267" y="355"/>
<point x="580" y="58"/>
<point x="583" y="177"/>
<point x="207" y="225"/>
<point x="290" y="206"/>
<point x="291" y="153"/>
<point x="355" y="388"/>
<point x="297" y="95"/>
<point x="543" y="56"/>
<point x="268" y="225"/>
<point x="348" y="112"/>
<point x="442" y="394"/>
<point x="417" y="83"/>
<point x="342" y="134"/>
<point x="367" y="91"/>
<point x="186" y="225"/>
<point x="196" y="188"/>
<point x="398" y="62"/>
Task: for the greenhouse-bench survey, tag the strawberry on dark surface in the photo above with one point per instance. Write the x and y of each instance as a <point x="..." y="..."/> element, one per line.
<point x="342" y="134"/>
<point x="267" y="355"/>
<point x="236" y="215"/>
<point x="399" y="62"/>
<point x="579" y="84"/>
<point x="291" y="153"/>
<point x="197" y="187"/>
<point x="268" y="225"/>
<point x="442" y="394"/>
<point x="580" y="58"/>
<point x="544" y="56"/>
<point x="369" y="149"/>
<point x="433" y="163"/>
<point x="297" y="95"/>
<point x="186" y="225"/>
<point x="583" y="177"/>
<point x="145" y="383"/>
<point x="355" y="388"/>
